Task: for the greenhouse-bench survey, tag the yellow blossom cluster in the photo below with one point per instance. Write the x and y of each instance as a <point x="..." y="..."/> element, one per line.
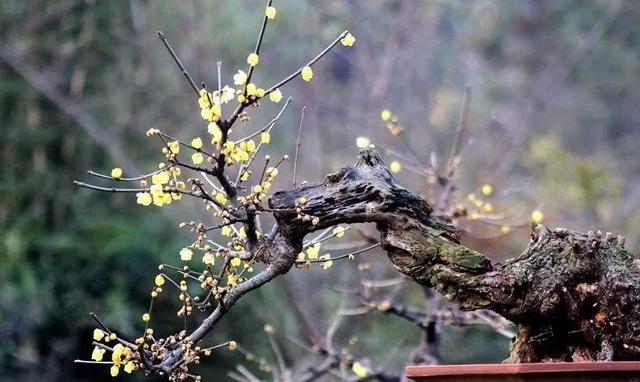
<point x="165" y="189"/>
<point x="121" y="356"/>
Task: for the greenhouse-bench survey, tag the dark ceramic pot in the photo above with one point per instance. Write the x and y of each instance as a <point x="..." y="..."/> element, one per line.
<point x="529" y="372"/>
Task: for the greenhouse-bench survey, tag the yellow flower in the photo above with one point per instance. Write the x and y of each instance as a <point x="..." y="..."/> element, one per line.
<point x="185" y="254"/>
<point x="225" y="95"/>
<point x="505" y="229"/>
<point x="275" y="96"/>
<point x="271" y="172"/>
<point x="241" y="98"/>
<point x="251" y="145"/>
<point x="221" y="198"/>
<point x="245" y="176"/>
<point x="359" y="370"/>
<point x="537" y="216"/>
<point x="174" y="147"/>
<point x="312" y="252"/>
<point x="232" y="280"/>
<point x="208" y="258"/>
<point x="146" y="317"/>
<point x="196" y="143"/>
<point x="197" y="158"/>
<point x="159" y="280"/>
<point x="270" y="12"/>
<point x="339" y="231"/>
<point x="156" y="190"/>
<point x="116" y="173"/>
<point x="257" y="188"/>
<point x="229" y="146"/>
<point x="203" y="100"/>
<point x="385" y="115"/>
<point x="160" y="178"/>
<point x="328" y="262"/>
<point x="240" y="78"/>
<point x="251" y="89"/>
<point x="118" y="352"/>
<point x="114" y="370"/>
<point x="266" y="186"/>
<point x="216" y="132"/>
<point x="260" y="92"/>
<point x="362" y="142"/>
<point x="129" y="367"/>
<point x="236" y="262"/>
<point x="348" y="40"/>
<point x="97" y="354"/>
<point x="307" y="73"/>
<point x="226" y="231"/>
<point x="487" y="189"/>
<point x="265" y="137"/>
<point x="253" y="59"/>
<point x="395" y="167"/>
<point x="98" y="334"/>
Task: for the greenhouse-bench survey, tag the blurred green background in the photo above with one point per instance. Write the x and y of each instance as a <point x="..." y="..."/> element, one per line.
<point x="554" y="125"/>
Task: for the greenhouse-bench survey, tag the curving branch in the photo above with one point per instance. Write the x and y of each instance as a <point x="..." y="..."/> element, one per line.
<point x="574" y="295"/>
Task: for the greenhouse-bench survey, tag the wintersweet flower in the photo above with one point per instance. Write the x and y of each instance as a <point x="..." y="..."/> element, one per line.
<point x="312" y="252"/>
<point x="252" y="59"/>
<point x="98" y="334"/>
<point x="275" y="96"/>
<point x="197" y="158"/>
<point x="116" y="173"/>
<point x="159" y="280"/>
<point x="185" y="254"/>
<point x="307" y="73"/>
<point x="144" y="198"/>
<point x="97" y="354"/>
<point x="240" y="78"/>
<point x="270" y="12"/>
<point x="196" y="143"/>
<point x="395" y="166"/>
<point x="348" y="40"/>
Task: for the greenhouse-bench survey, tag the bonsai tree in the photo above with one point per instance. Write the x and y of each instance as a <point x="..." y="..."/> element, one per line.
<point x="573" y="296"/>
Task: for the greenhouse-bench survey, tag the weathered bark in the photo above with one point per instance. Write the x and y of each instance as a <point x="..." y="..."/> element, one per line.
<point x="574" y="295"/>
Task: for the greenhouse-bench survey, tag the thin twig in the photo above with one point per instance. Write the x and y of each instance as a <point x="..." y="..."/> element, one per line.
<point x="186" y="74"/>
<point x="460" y="132"/>
<point x="298" y="144"/>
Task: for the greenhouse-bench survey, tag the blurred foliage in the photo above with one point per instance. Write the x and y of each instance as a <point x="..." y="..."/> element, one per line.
<point x="554" y="125"/>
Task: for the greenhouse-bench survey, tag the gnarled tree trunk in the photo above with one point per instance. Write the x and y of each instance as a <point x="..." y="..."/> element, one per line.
<point x="574" y="295"/>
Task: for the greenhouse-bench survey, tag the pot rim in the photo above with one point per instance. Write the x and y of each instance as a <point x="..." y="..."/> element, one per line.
<point x="521" y="368"/>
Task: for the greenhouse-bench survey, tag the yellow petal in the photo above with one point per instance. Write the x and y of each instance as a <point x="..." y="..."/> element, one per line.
<point x="395" y="167"/>
<point x="275" y="96"/>
<point x="537" y="216"/>
<point x="196" y="143"/>
<point x="98" y="334"/>
<point x="116" y="173"/>
<point x="307" y="73"/>
<point x="270" y="12"/>
<point x="253" y="59"/>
